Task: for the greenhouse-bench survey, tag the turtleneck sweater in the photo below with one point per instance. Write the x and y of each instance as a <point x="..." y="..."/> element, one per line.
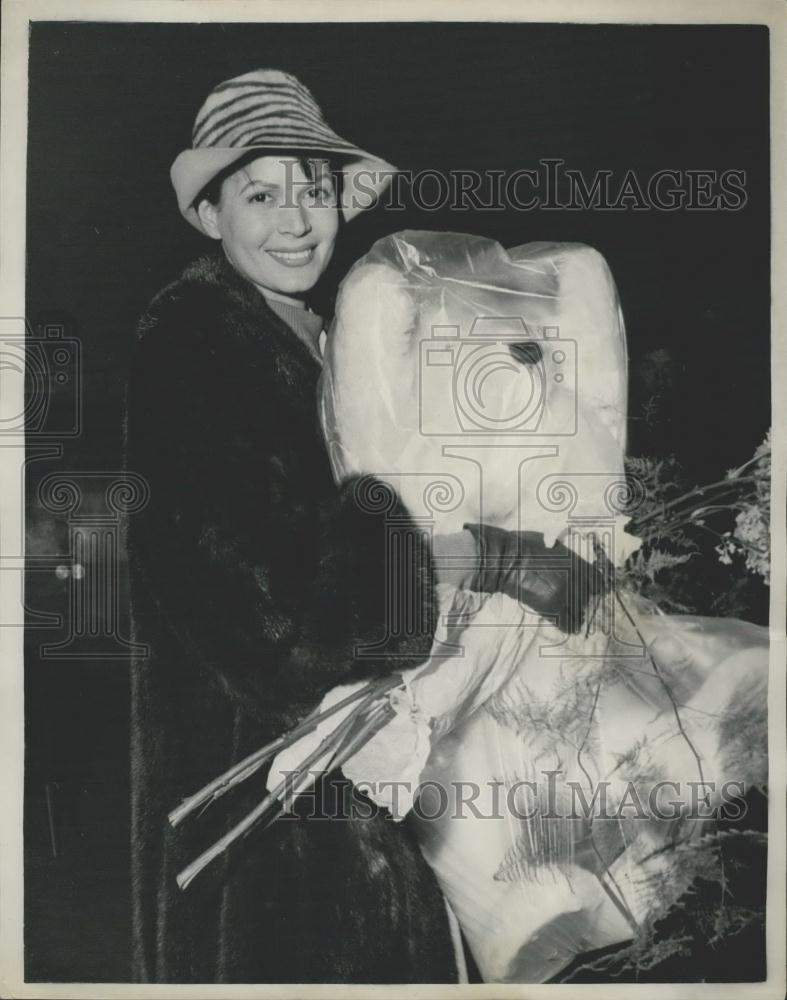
<point x="305" y="324"/>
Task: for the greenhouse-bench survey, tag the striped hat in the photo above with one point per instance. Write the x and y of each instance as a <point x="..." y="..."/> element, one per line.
<point x="269" y="110"/>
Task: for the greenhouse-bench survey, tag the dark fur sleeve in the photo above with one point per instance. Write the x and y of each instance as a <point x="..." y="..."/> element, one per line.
<point x="267" y="575"/>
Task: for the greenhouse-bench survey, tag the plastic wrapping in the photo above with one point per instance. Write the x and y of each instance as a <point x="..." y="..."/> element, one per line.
<point x="472" y="378"/>
<point x="522" y="730"/>
<point x="490" y="386"/>
<point x="535" y="877"/>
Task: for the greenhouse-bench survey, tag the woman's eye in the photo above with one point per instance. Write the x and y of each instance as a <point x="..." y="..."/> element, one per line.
<point x="261" y="198"/>
<point x="318" y="194"/>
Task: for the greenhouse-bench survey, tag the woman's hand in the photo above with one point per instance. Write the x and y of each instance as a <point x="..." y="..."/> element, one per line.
<point x="554" y="582"/>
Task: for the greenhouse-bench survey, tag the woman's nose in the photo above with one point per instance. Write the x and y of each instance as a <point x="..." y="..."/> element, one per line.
<point x="293" y="220"/>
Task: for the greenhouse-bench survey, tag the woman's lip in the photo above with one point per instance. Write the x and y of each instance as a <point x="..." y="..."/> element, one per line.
<point x="292" y="258"/>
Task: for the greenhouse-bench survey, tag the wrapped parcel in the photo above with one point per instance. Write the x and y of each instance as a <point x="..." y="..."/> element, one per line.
<point x="474" y="378"/>
<point x="489" y="386"/>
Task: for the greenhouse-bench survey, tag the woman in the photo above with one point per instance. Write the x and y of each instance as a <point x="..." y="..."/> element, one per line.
<point x="254" y="579"/>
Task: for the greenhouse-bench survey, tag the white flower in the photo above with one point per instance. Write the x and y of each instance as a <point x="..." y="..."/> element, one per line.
<point x="752" y="534"/>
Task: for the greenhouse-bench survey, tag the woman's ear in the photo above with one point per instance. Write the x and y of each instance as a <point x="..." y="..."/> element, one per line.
<point x="208" y="219"/>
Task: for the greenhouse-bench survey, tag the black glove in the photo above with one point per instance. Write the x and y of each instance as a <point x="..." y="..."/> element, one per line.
<point x="554" y="582"/>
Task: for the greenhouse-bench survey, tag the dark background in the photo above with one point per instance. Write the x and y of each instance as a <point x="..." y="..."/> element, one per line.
<point x="110" y="108"/>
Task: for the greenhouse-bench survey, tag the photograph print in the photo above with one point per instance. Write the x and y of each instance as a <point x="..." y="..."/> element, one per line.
<point x="394" y="468"/>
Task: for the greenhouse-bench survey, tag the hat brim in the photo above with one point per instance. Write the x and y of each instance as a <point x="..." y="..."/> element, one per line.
<point x="365" y="176"/>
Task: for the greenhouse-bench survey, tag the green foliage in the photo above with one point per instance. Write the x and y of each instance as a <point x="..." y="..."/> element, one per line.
<point x="646" y="564"/>
<point x="692" y="939"/>
<point x="705" y="549"/>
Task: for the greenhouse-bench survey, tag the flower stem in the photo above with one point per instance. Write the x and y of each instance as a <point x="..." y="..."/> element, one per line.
<point x="721" y="487"/>
<point x="249" y="765"/>
<point x="284" y="794"/>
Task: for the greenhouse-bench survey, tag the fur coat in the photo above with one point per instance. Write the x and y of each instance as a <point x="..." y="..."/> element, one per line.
<point x="253" y="579"/>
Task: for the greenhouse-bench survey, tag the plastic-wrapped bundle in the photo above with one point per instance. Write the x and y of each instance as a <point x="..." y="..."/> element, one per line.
<point x="490" y="386"/>
<point x="472" y="377"/>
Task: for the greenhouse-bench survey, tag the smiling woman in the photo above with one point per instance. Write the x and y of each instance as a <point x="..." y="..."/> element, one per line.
<point x="254" y="579"/>
<point x="277" y="220"/>
<point x="259" y="584"/>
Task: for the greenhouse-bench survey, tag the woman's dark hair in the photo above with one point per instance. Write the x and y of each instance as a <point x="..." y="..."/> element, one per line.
<point x="212" y="191"/>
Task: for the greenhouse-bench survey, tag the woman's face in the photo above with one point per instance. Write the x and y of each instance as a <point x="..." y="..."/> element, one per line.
<point x="278" y="226"/>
